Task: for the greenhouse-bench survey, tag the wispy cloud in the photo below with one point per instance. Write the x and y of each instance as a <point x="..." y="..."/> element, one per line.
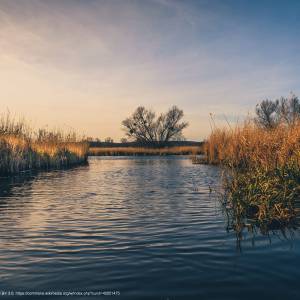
<point x="88" y="58"/>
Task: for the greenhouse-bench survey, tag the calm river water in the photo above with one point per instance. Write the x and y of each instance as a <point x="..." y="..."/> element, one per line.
<point x="141" y="228"/>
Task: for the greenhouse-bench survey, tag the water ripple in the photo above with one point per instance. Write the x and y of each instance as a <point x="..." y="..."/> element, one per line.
<point x="147" y="227"/>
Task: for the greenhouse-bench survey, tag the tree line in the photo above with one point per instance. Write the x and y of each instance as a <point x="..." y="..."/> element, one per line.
<point x="271" y="113"/>
<point x="145" y="127"/>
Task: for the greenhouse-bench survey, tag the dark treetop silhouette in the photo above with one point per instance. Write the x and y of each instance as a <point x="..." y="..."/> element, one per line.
<point x="144" y="127"/>
<point x="284" y="110"/>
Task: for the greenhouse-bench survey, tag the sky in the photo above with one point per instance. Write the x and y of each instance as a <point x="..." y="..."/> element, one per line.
<point x="87" y="64"/>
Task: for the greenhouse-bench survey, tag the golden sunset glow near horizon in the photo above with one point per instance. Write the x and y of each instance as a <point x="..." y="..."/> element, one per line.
<point x="87" y="65"/>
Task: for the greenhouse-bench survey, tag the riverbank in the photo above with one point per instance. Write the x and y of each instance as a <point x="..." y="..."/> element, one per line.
<point x="262" y="173"/>
<point x="23" y="149"/>
<point x="136" y="151"/>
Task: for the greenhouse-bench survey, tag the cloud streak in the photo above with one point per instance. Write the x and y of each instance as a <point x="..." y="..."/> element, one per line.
<point x="90" y="63"/>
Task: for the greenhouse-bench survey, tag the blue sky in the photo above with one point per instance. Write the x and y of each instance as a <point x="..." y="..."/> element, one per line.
<point x="88" y="64"/>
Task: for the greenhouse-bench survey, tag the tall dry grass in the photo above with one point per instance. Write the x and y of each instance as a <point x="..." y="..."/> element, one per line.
<point x="23" y="149"/>
<point x="262" y="172"/>
<point x="250" y="146"/>
<point x="176" y="150"/>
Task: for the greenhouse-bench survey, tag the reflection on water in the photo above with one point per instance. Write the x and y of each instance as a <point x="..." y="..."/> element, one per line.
<point x="251" y="229"/>
<point x="247" y="223"/>
<point x="147" y="227"/>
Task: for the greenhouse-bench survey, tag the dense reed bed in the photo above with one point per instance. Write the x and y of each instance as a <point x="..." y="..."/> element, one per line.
<point x="177" y="150"/>
<point x="261" y="173"/>
<point x="23" y="149"/>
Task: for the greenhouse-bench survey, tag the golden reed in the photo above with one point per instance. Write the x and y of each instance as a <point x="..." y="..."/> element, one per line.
<point x="176" y="150"/>
<point x="22" y="149"/>
<point x="249" y="145"/>
<point x="262" y="172"/>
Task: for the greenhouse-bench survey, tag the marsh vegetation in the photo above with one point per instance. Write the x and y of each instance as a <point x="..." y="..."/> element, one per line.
<point x="135" y="151"/>
<point x="261" y="166"/>
<point x="22" y="148"/>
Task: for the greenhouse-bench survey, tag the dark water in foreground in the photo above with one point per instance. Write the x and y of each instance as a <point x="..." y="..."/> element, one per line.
<point x="145" y="227"/>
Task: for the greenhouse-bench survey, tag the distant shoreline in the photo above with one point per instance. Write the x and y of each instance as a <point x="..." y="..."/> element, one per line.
<point x="143" y="151"/>
<point x="171" y="144"/>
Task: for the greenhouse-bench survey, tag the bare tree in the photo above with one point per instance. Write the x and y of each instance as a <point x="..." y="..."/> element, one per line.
<point x="168" y="126"/>
<point x="141" y="125"/>
<point x="284" y="110"/>
<point x="108" y="140"/>
<point x="289" y="109"/>
<point x="267" y="113"/>
<point x="144" y="127"/>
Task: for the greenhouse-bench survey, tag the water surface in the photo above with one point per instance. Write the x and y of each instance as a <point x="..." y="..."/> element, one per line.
<point x="146" y="227"/>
